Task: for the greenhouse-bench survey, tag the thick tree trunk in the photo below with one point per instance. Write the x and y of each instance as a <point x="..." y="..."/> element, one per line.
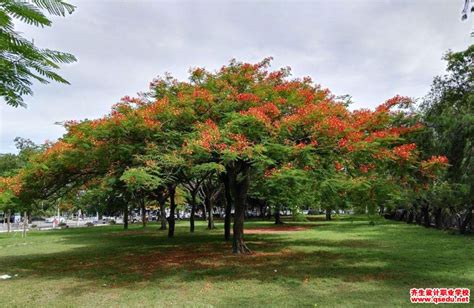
<point x="328" y="214"/>
<point x="204" y="211"/>
<point x="9" y="217"/>
<point x="171" y="218"/>
<point x="25" y="223"/>
<point x="162" y="213"/>
<point x="466" y="222"/>
<point x="438" y="218"/>
<point x="410" y="216"/>
<point x="210" y="213"/>
<point x="278" y="216"/>
<point x="238" y="245"/>
<point x="426" y="215"/>
<point x="418" y="216"/>
<point x="227" y="220"/>
<point x="210" y="223"/>
<point x="228" y="207"/>
<point x="193" y="212"/>
<point x="262" y="208"/>
<point x="142" y="207"/>
<point x="125" y="217"/>
<point x="239" y="184"/>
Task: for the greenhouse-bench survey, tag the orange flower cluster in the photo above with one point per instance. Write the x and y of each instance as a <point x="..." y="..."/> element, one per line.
<point x="338" y="166"/>
<point x="274" y="171"/>
<point x="239" y="143"/>
<point x="398" y="100"/>
<point x="98" y="122"/>
<point x="335" y="124"/>
<point x="57" y="148"/>
<point x="435" y="163"/>
<point x="404" y="151"/>
<point x="203" y="94"/>
<point x="308" y="95"/>
<point x="156" y="107"/>
<point x="276" y="75"/>
<point x="265" y="113"/>
<point x="269" y="172"/>
<point x="150" y="122"/>
<point x="362" y="118"/>
<point x="288" y="86"/>
<point x="133" y="100"/>
<point x="210" y="137"/>
<point x="150" y="111"/>
<point x="342" y="142"/>
<point x="197" y="72"/>
<point x="10" y="183"/>
<point x="247" y="97"/>
<point x="366" y="167"/>
<point x="442" y="160"/>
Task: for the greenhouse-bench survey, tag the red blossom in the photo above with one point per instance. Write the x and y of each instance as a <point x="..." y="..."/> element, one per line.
<point x="342" y="142"/>
<point x="398" y="100"/>
<point x="338" y="166"/>
<point x="247" y="97"/>
<point x="365" y="168"/>
<point x="438" y="160"/>
<point x="12" y="183"/>
<point x="58" y="148"/>
<point x="265" y="113"/>
<point x="203" y="94"/>
<point x="404" y="151"/>
<point x="336" y="124"/>
<point x="434" y="164"/>
<point x="269" y="172"/>
<point x="210" y="137"/>
<point x="239" y="144"/>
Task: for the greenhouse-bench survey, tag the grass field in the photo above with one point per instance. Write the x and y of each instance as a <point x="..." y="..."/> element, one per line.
<point x="345" y="262"/>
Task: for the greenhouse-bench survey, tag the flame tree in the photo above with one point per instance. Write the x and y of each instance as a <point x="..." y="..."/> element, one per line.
<point x="243" y="120"/>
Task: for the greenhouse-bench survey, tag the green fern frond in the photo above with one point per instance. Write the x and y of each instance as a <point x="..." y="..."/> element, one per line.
<point x="27" y="13"/>
<point x="21" y="62"/>
<point x="55" y="7"/>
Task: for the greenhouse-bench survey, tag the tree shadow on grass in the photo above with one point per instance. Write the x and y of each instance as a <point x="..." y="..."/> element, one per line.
<point x="386" y="254"/>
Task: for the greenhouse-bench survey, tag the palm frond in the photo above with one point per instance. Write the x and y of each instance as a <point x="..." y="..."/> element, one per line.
<point x="58" y="56"/>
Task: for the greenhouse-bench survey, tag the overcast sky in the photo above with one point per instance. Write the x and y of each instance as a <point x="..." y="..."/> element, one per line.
<point x="369" y="49"/>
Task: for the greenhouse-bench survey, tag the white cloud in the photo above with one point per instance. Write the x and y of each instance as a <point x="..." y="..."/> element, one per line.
<point x="370" y="49"/>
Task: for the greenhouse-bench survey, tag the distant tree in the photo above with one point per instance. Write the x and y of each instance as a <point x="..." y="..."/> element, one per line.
<point x="20" y="60"/>
<point x="448" y="112"/>
<point x="9" y="164"/>
<point x="140" y="182"/>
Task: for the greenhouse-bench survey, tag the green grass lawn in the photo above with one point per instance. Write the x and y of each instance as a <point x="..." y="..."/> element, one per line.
<point x="345" y="262"/>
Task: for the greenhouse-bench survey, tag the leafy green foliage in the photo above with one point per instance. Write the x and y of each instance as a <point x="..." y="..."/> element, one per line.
<point x="21" y="61"/>
<point x="448" y="112"/>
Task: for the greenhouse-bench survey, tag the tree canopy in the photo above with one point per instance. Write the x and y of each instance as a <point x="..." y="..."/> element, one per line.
<point x="259" y="132"/>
